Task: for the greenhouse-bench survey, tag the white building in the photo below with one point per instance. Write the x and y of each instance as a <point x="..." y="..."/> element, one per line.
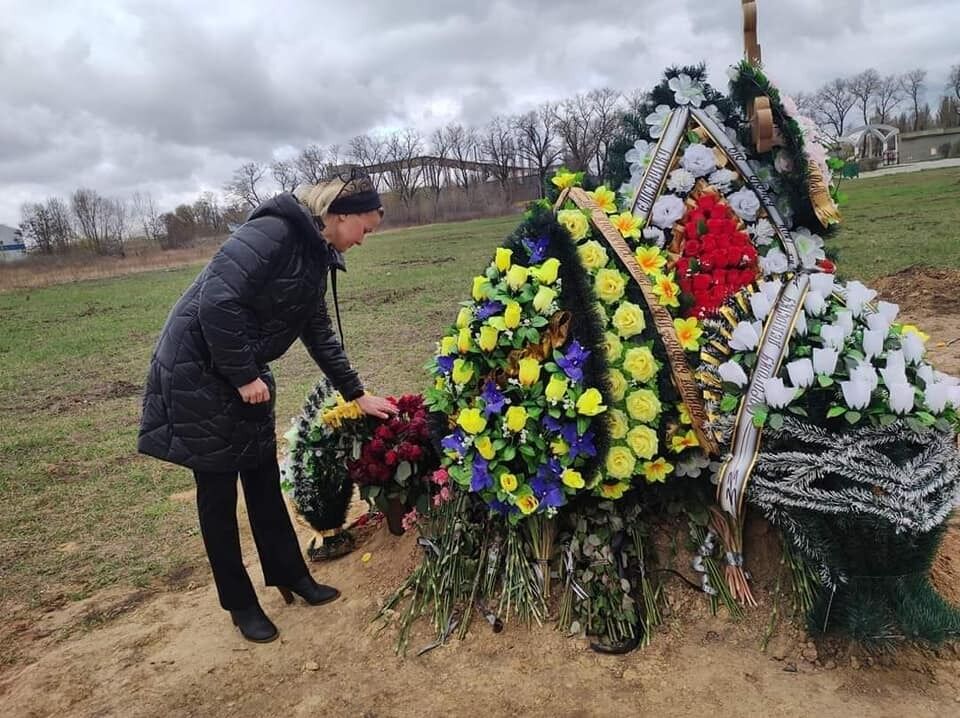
<point x="12" y="247"/>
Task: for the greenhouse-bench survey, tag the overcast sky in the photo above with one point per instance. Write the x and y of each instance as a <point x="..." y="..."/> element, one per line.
<point x="170" y="96"/>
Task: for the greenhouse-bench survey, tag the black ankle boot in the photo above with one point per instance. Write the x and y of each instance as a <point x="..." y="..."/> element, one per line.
<point x="309" y="590"/>
<point x="254" y="624"/>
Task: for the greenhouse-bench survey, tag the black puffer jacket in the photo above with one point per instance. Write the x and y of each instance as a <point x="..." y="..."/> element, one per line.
<point x="262" y="290"/>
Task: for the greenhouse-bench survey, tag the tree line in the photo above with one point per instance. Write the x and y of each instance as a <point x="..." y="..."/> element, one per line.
<point x="455" y="172"/>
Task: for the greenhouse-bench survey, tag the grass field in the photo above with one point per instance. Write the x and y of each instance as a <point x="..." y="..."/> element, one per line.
<point x="81" y="510"/>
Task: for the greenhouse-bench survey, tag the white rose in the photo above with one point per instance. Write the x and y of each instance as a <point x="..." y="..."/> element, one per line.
<point x="699" y="160"/>
<point x="775" y="262"/>
<point x="746" y="204"/>
<point x="667" y="211"/>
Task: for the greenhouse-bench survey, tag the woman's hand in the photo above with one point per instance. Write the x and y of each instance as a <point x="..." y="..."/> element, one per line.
<point x="255" y="392"/>
<point x="376" y="406"/>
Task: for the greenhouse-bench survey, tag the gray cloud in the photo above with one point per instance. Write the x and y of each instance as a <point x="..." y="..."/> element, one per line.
<point x="170" y="95"/>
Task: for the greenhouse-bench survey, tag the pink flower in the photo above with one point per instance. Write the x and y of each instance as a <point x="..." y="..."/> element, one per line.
<point x="440" y="477"/>
<point x="443" y="497"/>
<point x="410" y="520"/>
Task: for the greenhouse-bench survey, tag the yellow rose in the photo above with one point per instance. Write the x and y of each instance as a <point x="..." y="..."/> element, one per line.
<point x="590" y="403"/>
<point x="472" y="421"/>
<point x="503" y="258"/>
<point x="639" y="363"/>
<point x="464" y="342"/>
<point x="573" y="479"/>
<point x="488" y="338"/>
<point x="556" y="387"/>
<point x="547" y="272"/>
<point x="485" y="447"/>
<point x="614" y="491"/>
<point x="462" y="371"/>
<point x="559" y="447"/>
<point x="464" y="317"/>
<point x="448" y="345"/>
<point x="618" y="424"/>
<point x="620" y="462"/>
<point x="657" y="470"/>
<point x="628" y="320"/>
<point x="644" y="442"/>
<point x="543" y="299"/>
<point x="529" y="371"/>
<point x="508" y="482"/>
<point x="618" y="385"/>
<point x="517" y="277"/>
<point x="516" y="419"/>
<point x="593" y="255"/>
<point x="511" y="315"/>
<point x="575" y="222"/>
<point x="643" y="405"/>
<point x="527" y="504"/>
<point x="612" y="347"/>
<point x="481" y="285"/>
<point x="609" y="285"/>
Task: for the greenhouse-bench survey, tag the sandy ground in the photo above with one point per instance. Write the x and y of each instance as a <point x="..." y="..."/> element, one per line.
<point x="128" y="653"/>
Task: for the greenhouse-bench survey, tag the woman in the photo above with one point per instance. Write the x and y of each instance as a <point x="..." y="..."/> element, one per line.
<point x="209" y="399"/>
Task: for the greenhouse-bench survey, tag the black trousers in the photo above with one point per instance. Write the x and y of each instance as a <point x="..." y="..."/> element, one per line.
<point x="280" y="556"/>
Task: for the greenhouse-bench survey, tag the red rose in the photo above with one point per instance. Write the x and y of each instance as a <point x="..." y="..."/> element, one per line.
<point x="692" y="247"/>
<point x="826" y="265"/>
<point x="391" y="458"/>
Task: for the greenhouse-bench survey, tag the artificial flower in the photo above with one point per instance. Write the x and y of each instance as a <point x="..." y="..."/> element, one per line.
<point x="620" y="462"/>
<point x="612" y="347"/>
<point x="699" y="161"/>
<point x="681" y="181"/>
<point x="801" y="373"/>
<point x="618" y="384"/>
<point x="745" y="203"/>
<point x="605" y="198"/>
<point x="731" y="372"/>
<point x="935" y="396"/>
<point x="575" y="222"/>
<point x="511" y="315"/>
<point x="590" y="403"/>
<point x="857" y="297"/>
<point x="667" y="211"/>
<point x="464" y="317"/>
<point x="627" y="224"/>
<point x="643" y="441"/>
<point x="650" y="259"/>
<point x="686" y="90"/>
<point x="502" y="259"/>
<point x="777" y="394"/>
<point x="825" y="360"/>
<point x="448" y="345"/>
<point x="485" y="448"/>
<point x="640" y="364"/>
<point x="618" y="424"/>
<point x="833" y="335"/>
<point x="901" y="398"/>
<point x="628" y="320"/>
<point x="666" y="290"/>
<point x="462" y="371"/>
<point x="856" y="394"/>
<point x="614" y="491"/>
<point x="746" y="336"/>
<point x="564" y="179"/>
<point x="658" y="470"/>
<point x="529" y="371"/>
<point x="516" y="419"/>
<point x="572" y="479"/>
<point x="544" y="299"/>
<point x="809" y="247"/>
<point x="639" y="155"/>
<point x="609" y="285"/>
<point x="912" y="346"/>
<point x="873" y="340"/>
<point x="464" y="340"/>
<point x="573" y="360"/>
<point x="481" y="286"/>
<point x="643" y="405"/>
<point x="508" y="482"/>
<point x="556" y="388"/>
<point x="527" y="504"/>
<point x="488" y="338"/>
<point x="517" y="277"/>
<point x="688" y="333"/>
<point x="593" y="255"/>
<point x="774" y="262"/>
<point x="682" y="442"/>
<point x="657" y="120"/>
<point x="472" y="421"/>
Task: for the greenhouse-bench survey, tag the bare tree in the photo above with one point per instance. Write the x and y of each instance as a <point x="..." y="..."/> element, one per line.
<point x="94" y="215"/>
<point x="889" y="95"/>
<point x="151" y="221"/>
<point x="403" y="152"/>
<point x="118" y="216"/>
<point x="463" y="144"/>
<point x="608" y="111"/>
<point x="807" y="104"/>
<point x="636" y="101"/>
<point x="576" y="126"/>
<point x="435" y="172"/>
<point x="311" y="164"/>
<point x="367" y="151"/>
<point x="243" y="188"/>
<point x="208" y="215"/>
<point x="285" y="175"/>
<point x="953" y="82"/>
<point x="913" y="84"/>
<point x="537" y="140"/>
<point x="46" y="225"/>
<point x="834" y="102"/>
<point x="864" y="88"/>
<point x="500" y="148"/>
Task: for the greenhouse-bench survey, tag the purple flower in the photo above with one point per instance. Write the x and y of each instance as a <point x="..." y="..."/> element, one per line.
<point x="454" y="442"/>
<point x="502" y="507"/>
<point x="445" y="364"/>
<point x="493" y="399"/>
<point x="572" y="362"/>
<point x="579" y="445"/>
<point x="488" y="309"/>
<point x="546" y="485"/>
<point x="537" y="249"/>
<point x="480" y="478"/>
<point x="552" y="425"/>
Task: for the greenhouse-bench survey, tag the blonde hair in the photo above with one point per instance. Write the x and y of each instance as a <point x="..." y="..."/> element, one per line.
<point x="317" y="197"/>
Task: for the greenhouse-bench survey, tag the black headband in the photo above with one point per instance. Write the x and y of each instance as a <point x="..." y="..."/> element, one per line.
<point x="357" y="203"/>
